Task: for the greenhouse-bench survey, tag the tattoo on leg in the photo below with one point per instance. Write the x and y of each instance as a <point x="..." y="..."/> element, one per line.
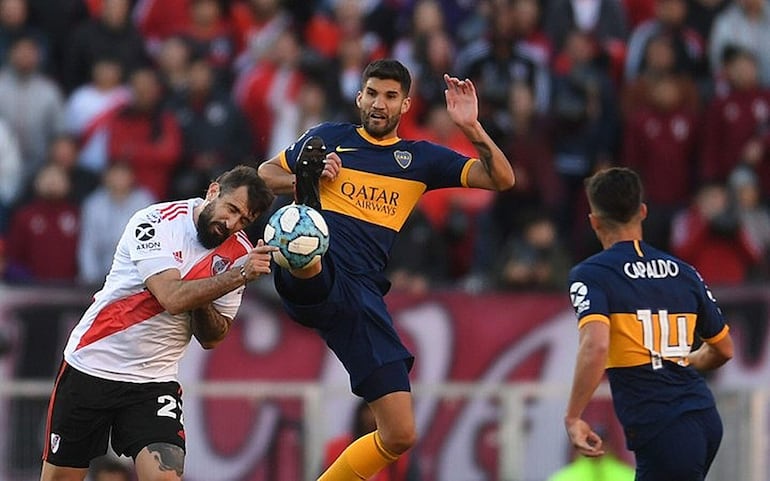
<point x="168" y="456"/>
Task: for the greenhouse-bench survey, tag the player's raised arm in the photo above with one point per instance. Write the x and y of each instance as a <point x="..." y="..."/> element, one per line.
<point x="494" y="172"/>
<point x="276" y="177"/>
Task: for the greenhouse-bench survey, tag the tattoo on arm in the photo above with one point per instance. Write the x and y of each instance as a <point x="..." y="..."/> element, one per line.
<point x="168" y="456"/>
<point x="485" y="156"/>
<point x="208" y="325"/>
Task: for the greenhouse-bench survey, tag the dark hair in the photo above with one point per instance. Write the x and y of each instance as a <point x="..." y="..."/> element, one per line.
<point x="388" y="69"/>
<point x="260" y="195"/>
<point x="615" y="194"/>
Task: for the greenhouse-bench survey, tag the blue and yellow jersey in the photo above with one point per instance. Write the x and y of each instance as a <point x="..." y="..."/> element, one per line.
<point x="378" y="187"/>
<point x="655" y="304"/>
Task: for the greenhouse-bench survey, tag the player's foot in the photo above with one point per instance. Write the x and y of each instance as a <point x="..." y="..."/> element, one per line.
<point x="309" y="166"/>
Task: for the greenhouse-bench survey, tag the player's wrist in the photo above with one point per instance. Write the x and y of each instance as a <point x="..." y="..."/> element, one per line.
<point x="242" y="272"/>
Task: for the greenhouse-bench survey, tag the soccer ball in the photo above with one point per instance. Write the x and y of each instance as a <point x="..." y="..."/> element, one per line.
<point x="300" y="234"/>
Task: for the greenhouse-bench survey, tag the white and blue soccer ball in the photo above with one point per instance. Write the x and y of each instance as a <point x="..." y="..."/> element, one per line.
<point x="301" y="235"/>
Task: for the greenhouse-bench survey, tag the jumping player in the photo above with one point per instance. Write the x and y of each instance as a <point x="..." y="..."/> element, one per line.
<point x="179" y="271"/>
<point x="372" y="180"/>
<point x="639" y="310"/>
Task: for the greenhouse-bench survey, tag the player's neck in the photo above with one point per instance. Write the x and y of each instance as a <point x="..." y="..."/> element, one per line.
<point x="610" y="238"/>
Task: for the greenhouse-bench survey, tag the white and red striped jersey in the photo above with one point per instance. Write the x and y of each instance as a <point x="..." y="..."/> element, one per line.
<point x="126" y="335"/>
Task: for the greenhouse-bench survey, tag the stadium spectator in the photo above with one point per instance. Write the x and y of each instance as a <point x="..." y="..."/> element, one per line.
<point x="343" y="22"/>
<point x="104" y="214"/>
<point x="11" y="177"/>
<point x="669" y="23"/>
<point x="435" y="55"/>
<point x="215" y="134"/>
<point x="310" y="109"/>
<point x="258" y="24"/>
<point x="89" y="107"/>
<point x="755" y="216"/>
<point x="157" y="20"/>
<point x="14" y="24"/>
<point x="659" y="61"/>
<point x="426" y="19"/>
<point x="603" y="21"/>
<point x="514" y="50"/>
<point x="533" y="259"/>
<point x="585" y="125"/>
<point x="173" y="64"/>
<point x="710" y="235"/>
<point x="57" y="20"/>
<point x="146" y="135"/>
<point x="270" y="86"/>
<point x="211" y="37"/>
<point x="363" y="423"/>
<point x="63" y="151"/>
<point x="744" y="24"/>
<point x="701" y="15"/>
<point x="736" y="123"/>
<point x="42" y="239"/>
<point x="31" y="104"/>
<point x="111" y="34"/>
<point x="660" y="142"/>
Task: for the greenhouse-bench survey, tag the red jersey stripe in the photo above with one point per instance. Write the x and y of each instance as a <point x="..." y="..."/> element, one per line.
<point x="139" y="307"/>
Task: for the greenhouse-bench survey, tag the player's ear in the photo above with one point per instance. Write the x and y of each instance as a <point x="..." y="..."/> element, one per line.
<point x="595" y="221"/>
<point x="642" y="211"/>
<point x="358" y="99"/>
<point x="406" y="105"/>
<point x="212" y="192"/>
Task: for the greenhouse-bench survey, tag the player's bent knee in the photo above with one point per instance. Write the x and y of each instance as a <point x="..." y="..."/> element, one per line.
<point x="58" y="473"/>
<point x="399" y="441"/>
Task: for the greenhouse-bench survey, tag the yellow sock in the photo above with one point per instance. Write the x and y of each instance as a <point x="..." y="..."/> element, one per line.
<point x="365" y="457"/>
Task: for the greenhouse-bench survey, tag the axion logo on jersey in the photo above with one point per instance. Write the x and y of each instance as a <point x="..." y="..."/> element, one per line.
<point x="219" y="264"/>
<point x="577" y="294"/>
<point x="55" y="439"/>
<point x="144" y="232"/>
<point x="404" y="159"/>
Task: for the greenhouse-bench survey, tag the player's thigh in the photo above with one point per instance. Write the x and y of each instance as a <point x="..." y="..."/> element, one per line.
<point x="160" y="462"/>
<point x="80" y="414"/>
<point x="153" y="415"/>
<point x="683" y="451"/>
<point x="59" y="473"/>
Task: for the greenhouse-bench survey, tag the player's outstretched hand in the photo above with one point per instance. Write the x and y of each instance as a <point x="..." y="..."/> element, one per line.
<point x="258" y="260"/>
<point x="461" y="101"/>
<point x="332" y="166"/>
<point x="583" y="438"/>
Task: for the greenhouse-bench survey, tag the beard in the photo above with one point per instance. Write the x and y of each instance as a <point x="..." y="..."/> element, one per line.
<point x="378" y="131"/>
<point x="209" y="231"/>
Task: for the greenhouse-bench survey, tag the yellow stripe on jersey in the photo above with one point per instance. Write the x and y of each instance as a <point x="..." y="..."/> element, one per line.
<point x="718" y="337"/>
<point x="284" y="162"/>
<point x="363" y="133"/>
<point x="466" y="169"/>
<point x="638" y="247"/>
<point x="377" y="199"/>
<point x="593" y="318"/>
<point x="647" y="336"/>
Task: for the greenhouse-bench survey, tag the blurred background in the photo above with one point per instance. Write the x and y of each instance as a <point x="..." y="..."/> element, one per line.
<point x="109" y="105"/>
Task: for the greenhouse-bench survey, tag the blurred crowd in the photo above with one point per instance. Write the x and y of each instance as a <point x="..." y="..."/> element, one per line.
<point x="109" y="105"/>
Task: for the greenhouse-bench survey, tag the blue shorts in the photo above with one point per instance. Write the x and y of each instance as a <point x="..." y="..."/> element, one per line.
<point x="683" y="451"/>
<point x="349" y="313"/>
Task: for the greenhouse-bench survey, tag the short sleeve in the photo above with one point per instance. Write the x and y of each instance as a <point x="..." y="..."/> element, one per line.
<point x="711" y="322"/>
<point x="587" y="296"/>
<point x="149" y="240"/>
<point x="449" y="168"/>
